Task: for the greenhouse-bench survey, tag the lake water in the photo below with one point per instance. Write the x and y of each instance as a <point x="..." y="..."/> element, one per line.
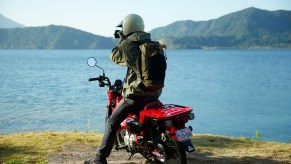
<point x="233" y="92"/>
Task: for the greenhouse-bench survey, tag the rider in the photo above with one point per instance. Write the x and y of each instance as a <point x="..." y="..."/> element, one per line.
<point x="127" y="53"/>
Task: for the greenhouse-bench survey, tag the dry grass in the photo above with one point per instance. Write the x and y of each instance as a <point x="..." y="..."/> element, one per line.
<point x="239" y="150"/>
<point x="35" y="147"/>
<point x="74" y="147"/>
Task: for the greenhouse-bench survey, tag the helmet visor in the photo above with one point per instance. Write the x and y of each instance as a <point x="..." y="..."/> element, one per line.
<point x="120" y="24"/>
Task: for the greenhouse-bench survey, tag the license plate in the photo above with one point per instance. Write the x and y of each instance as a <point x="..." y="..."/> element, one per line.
<point x="183" y="134"/>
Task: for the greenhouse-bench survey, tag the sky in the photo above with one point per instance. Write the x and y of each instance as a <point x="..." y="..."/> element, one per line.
<point x="101" y="16"/>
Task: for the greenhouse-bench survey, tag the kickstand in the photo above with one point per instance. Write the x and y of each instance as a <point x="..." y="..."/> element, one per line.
<point x="130" y="156"/>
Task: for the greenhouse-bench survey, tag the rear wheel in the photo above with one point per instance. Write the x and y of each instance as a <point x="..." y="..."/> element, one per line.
<point x="170" y="153"/>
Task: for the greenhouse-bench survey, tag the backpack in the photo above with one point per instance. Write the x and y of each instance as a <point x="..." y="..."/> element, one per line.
<point x="153" y="65"/>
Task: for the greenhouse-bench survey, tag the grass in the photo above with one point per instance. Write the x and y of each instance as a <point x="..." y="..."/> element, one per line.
<point x="240" y="150"/>
<point x="37" y="147"/>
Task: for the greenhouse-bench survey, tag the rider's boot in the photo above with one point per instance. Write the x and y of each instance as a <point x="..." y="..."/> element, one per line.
<point x="97" y="160"/>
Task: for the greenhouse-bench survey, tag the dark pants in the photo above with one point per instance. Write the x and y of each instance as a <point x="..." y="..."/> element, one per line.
<point x="123" y="109"/>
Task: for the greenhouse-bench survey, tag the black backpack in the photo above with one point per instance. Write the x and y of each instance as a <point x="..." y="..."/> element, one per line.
<point x="153" y="65"/>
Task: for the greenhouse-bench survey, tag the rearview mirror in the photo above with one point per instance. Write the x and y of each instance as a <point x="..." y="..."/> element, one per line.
<point x="91" y="61"/>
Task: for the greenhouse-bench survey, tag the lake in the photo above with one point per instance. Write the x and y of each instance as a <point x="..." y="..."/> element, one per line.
<point x="233" y="92"/>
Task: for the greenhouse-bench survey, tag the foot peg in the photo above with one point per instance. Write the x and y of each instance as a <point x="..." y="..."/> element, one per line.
<point x="118" y="147"/>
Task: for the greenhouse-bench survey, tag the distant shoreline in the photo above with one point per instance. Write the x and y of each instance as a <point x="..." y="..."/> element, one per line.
<point x="203" y="48"/>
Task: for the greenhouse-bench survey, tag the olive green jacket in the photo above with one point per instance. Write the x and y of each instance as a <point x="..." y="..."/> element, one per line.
<point x="127" y="53"/>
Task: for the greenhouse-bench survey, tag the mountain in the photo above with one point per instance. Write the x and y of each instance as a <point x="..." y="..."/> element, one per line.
<point x="52" y="37"/>
<point x="251" y="27"/>
<point x="248" y="28"/>
<point x="8" y="23"/>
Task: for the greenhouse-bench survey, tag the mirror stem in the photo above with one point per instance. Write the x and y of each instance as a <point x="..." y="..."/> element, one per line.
<point x="102" y="69"/>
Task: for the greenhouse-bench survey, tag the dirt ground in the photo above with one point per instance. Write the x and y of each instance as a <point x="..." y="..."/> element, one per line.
<point x="121" y="157"/>
<point x="77" y="157"/>
<point x="75" y="148"/>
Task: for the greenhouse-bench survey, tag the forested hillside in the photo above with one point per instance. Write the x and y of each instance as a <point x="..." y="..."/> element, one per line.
<point x="51" y="37"/>
<point x="247" y="28"/>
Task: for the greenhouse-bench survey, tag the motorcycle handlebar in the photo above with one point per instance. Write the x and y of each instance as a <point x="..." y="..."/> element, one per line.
<point x="94" y="79"/>
<point x="101" y="80"/>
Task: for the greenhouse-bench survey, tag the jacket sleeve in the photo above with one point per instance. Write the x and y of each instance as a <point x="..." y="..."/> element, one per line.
<point x="117" y="56"/>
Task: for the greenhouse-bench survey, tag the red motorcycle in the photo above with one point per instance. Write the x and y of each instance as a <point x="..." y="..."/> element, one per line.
<point x="157" y="132"/>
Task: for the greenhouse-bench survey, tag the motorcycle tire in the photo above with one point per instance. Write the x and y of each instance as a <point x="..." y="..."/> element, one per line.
<point x="180" y="156"/>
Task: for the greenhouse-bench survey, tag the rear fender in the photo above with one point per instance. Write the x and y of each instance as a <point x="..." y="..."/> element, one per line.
<point x="188" y="146"/>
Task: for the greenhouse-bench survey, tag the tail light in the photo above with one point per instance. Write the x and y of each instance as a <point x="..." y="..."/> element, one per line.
<point x="191" y="116"/>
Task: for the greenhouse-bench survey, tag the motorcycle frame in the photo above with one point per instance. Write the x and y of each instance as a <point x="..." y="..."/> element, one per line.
<point x="155" y="110"/>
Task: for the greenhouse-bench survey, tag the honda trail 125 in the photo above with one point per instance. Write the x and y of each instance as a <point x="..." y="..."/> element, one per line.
<point x="158" y="132"/>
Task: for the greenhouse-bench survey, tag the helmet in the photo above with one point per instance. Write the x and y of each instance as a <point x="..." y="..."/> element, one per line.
<point x="132" y="23"/>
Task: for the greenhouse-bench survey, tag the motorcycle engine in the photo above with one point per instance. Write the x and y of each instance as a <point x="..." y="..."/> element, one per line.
<point x="130" y="141"/>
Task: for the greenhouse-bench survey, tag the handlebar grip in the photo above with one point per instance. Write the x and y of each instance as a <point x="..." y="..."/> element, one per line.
<point x="93" y="79"/>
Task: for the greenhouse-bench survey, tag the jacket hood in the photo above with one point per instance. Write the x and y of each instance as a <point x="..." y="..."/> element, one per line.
<point x="140" y="37"/>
